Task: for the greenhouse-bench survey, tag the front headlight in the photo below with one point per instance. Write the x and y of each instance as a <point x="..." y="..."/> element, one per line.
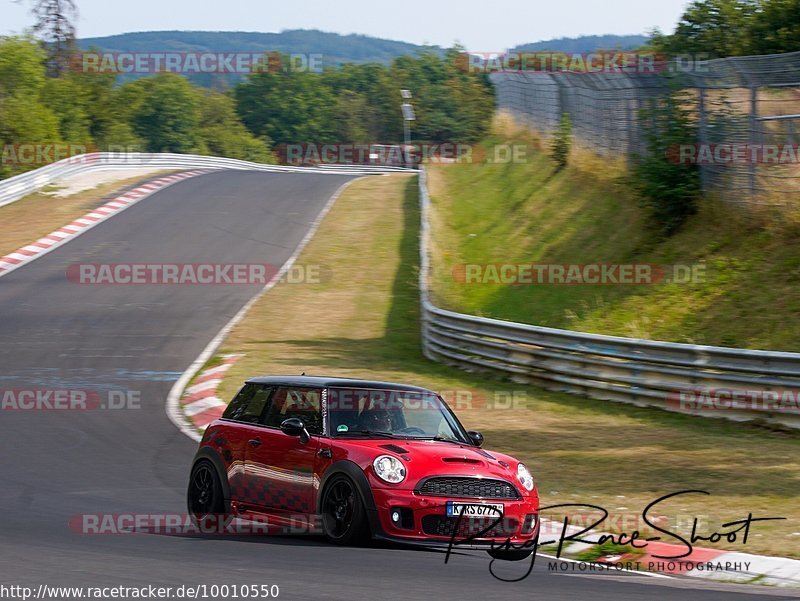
<point x="389" y="469"/>
<point x="524" y="476"/>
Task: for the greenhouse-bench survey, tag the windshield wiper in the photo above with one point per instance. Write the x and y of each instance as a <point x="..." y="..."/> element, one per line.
<point x="440" y="439"/>
<point x="369" y="433"/>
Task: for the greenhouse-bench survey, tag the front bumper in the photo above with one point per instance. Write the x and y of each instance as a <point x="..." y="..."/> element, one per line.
<point x="423" y="519"/>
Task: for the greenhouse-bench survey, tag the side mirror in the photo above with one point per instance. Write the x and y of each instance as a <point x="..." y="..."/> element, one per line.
<point x="294" y="426"/>
<point x="476" y="438"/>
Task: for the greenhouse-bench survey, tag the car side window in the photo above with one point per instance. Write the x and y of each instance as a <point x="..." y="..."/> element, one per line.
<point x="303" y="403"/>
<point x="248" y="406"/>
<point x="239" y="402"/>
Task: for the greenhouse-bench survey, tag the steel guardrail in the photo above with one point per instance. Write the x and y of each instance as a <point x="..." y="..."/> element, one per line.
<point x="19" y="186"/>
<point x="689" y="378"/>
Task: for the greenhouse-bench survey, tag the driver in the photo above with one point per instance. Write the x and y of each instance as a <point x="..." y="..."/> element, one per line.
<point x="376" y="420"/>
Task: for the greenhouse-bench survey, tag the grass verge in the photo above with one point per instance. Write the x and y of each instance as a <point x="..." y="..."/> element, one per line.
<point x="587" y="213"/>
<point x="363" y="321"/>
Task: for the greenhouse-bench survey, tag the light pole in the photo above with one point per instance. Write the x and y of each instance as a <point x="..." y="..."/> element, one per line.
<point x="408" y="117"/>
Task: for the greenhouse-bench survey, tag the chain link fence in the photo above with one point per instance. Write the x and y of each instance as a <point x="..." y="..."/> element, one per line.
<point x="746" y="111"/>
<point x="604" y="108"/>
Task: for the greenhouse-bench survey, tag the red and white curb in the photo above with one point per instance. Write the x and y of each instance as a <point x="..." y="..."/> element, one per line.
<point x="41" y="247"/>
<point x="709" y="564"/>
<point x="200" y="403"/>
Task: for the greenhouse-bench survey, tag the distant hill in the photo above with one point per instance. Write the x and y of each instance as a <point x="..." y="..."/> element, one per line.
<point x="336" y="48"/>
<point x="585" y="43"/>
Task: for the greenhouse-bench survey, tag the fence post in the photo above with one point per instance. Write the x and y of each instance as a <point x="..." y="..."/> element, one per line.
<point x="753" y="141"/>
<point x="702" y="138"/>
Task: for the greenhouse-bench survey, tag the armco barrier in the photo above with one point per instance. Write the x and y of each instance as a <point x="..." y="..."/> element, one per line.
<point x="704" y="380"/>
<point x="15" y="188"/>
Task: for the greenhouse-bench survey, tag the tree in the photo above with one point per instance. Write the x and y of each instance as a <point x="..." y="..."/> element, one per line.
<point x="164" y="112"/>
<point x="24" y="118"/>
<point x="361" y="103"/>
<point x="721" y="28"/>
<point x="715" y="27"/>
<point x="69" y="100"/>
<point x="452" y="104"/>
<point x="222" y="133"/>
<point x="776" y="27"/>
<point x="55" y="25"/>
<point x="366" y="103"/>
<point x="287" y="107"/>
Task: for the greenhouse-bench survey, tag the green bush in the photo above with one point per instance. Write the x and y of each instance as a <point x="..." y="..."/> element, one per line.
<point x="562" y="142"/>
<point x="670" y="189"/>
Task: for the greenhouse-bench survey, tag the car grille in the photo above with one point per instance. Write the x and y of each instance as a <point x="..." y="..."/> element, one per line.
<point x="441" y="525"/>
<point x="469" y="488"/>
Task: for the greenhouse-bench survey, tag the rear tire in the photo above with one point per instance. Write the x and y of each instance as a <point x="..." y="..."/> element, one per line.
<point x="344" y="518"/>
<point x="205" y="499"/>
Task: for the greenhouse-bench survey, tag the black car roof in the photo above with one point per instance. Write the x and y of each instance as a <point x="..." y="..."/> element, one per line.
<point x="326" y="382"/>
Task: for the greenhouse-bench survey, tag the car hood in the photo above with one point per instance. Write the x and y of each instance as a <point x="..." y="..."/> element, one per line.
<point x="429" y="457"/>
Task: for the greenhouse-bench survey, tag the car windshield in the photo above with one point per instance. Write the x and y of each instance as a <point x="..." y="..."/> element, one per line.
<point x="392" y="414"/>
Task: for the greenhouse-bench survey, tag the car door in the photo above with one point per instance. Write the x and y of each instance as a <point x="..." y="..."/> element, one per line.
<point x="244" y="416"/>
<point x="279" y="468"/>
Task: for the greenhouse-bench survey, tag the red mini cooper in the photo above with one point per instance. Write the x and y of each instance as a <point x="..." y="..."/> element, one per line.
<point x="362" y="459"/>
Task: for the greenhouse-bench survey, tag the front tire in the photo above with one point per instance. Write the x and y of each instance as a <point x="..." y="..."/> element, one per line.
<point x="205" y="499"/>
<point x="344" y="518"/>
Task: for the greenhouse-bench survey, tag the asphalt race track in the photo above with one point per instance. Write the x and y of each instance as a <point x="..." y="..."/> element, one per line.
<point x="55" y="334"/>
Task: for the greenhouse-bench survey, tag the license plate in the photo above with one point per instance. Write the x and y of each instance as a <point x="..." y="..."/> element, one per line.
<point x="492" y="510"/>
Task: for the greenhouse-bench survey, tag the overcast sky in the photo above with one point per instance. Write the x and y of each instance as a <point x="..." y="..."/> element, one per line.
<point x="479" y="25"/>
